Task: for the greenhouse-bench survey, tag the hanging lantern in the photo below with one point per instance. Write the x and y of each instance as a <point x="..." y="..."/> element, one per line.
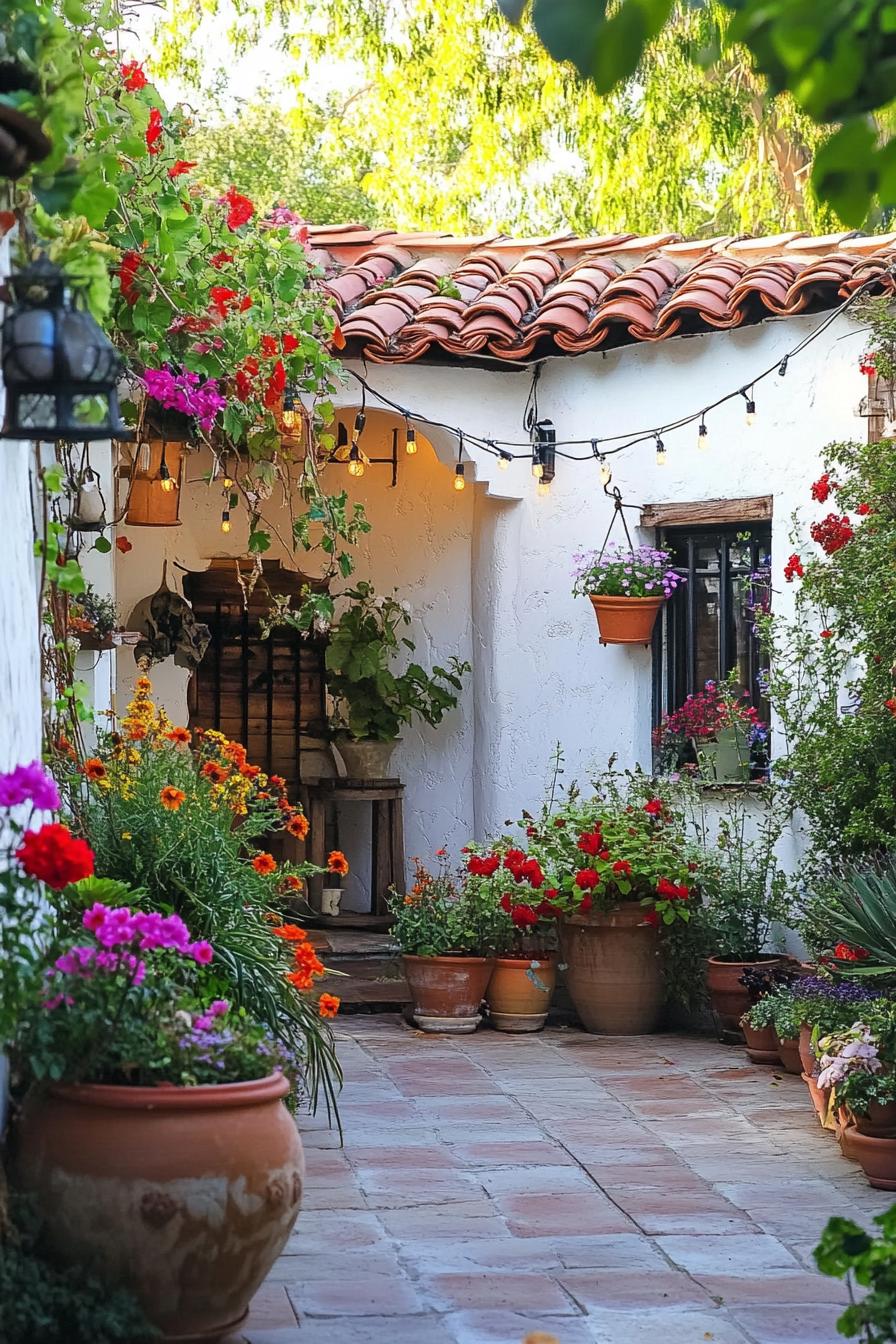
<point x="90" y="508"/>
<point x="154" y="498"/>
<point x="60" y="369"/>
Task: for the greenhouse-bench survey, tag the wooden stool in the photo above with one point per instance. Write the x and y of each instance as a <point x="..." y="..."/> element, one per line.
<point x="385" y="797"/>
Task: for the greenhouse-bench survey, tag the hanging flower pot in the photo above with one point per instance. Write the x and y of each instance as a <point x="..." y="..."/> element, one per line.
<point x="627" y="587"/>
<point x="154" y="498"/>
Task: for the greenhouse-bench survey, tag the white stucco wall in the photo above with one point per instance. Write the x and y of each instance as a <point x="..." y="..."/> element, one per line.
<point x="487" y="571"/>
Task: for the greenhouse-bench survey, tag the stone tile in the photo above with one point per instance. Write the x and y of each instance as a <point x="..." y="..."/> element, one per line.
<point x="659" y="1212"/>
<point x="496" y="1291"/>
<point x="749" y="1254"/>
<point x="271" y="1309"/>
<point x="633" y="1290"/>
<point x="783" y="1325"/>
<point x="372" y="1330"/>
<point x="356" y="1295"/>
<point x="510" y="1327"/>
<point x="322" y="1263"/>
<point x="795" y="1288"/>
<point x="672" y="1327"/>
<point x="535" y="1216"/>
<point x="335" y="1230"/>
<point x="473" y="1218"/>
<point x="533" y="1180"/>
<point x="496" y="1154"/>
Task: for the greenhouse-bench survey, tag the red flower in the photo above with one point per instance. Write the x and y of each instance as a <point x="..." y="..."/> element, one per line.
<point x="826" y="634"/>
<point x="483" y="867"/>
<point x="866" y="363"/>
<point x="793" y="569"/>
<point x="132" y="76"/>
<point x="222" y="299"/>
<point x="531" y="872"/>
<point x="513" y="862"/>
<point x="53" y="855"/>
<point x="269" y="346"/>
<point x="822" y="487"/>
<point x="523" y="916"/>
<point x="672" y="892"/>
<point x="276" y="385"/>
<point x="506" y="903"/>
<point x="587" y="878"/>
<point x="240" y="209"/>
<point x="182" y="166"/>
<point x="843" y="952"/>
<point x="863" y="510"/>
<point x="622" y="866"/>
<point x="220" y="259"/>
<point x="652" y="918"/>
<point x="654" y="808"/>
<point x="154" y="131"/>
<point x="243" y="385"/>
<point x="250" y="364"/>
<point x="245" y="303"/>
<point x="547" y="910"/>
<point x="832" y="533"/>
<point x="290" y="343"/>
<point x="591" y="842"/>
<point x="127" y="274"/>
<point x="122" y="544"/>
<point x="585" y="904"/>
<point x="891" y="706"/>
<point x="559" y="822"/>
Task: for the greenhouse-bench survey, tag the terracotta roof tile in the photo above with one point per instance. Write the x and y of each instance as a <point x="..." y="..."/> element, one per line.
<point x="403" y="297"/>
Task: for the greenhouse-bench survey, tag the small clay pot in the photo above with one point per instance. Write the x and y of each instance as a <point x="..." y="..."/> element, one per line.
<point x="877" y="1158"/>
<point x="448" y="991"/>
<point x="807" y="1054"/>
<point x="789" y="1054"/>
<point x="762" y="1047"/>
<point x="880" y="1120"/>
<point x="519" y="992"/>
<point x="626" y="620"/>
<point x="728" y="997"/>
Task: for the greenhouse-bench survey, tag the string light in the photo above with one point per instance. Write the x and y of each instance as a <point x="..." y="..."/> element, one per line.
<point x="290" y="415"/>
<point x="227" y="482"/>
<point x="544" y="488"/>
<point x="356" y="464"/>
<point x="410" y="442"/>
<point x="225" y="521"/>
<point x="504" y="459"/>
<point x="459" y="480"/>
<point x="702" y="434"/>
<point x="660" y="452"/>
<point x="751" y="405"/>
<point x="537" y="468"/>
<point x="782" y="367"/>
<point x="606" y="474"/>
<point x="166" y="480"/>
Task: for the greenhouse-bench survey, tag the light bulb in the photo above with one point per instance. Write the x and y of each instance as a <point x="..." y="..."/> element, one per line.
<point x="356" y="467"/>
<point x="660" y="453"/>
<point x="702" y="435"/>
<point x="606" y="475"/>
<point x="504" y="460"/>
<point x="410" y="443"/>
<point x="225" y="521"/>
<point x="544" y="488"/>
<point x="459" y="481"/>
<point x="168" y="484"/>
<point x="537" y="470"/>
<point x="751" y="412"/>
<point x="227" y="482"/>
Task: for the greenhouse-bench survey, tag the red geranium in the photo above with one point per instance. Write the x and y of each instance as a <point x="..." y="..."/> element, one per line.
<point x="891" y="705"/>
<point x="623" y="867"/>
<point x="180" y="167"/>
<point x="843" y="952"/>
<point x="654" y="808"/>
<point x="483" y="867"/>
<point x="220" y="259"/>
<point x="55" y="856"/>
<point x="586" y="878"/>
<point x="591" y="842"/>
<point x="672" y="892"/>
<point x="276" y="385"/>
<point x="154" y="131"/>
<point x="585" y="904"/>
<point x="240" y="209"/>
<point x="863" y="510"/>
<point x="290" y="343"/>
<point x="513" y="861"/>
<point x="269" y="346"/>
<point x="531" y="872"/>
<point x="822" y="488"/>
<point x="523" y="916"/>
<point x="793" y="569"/>
<point x="506" y="903"/>
<point x="127" y="276"/>
<point x="132" y="76"/>
<point x="652" y="918"/>
<point x="832" y="533"/>
<point x="867" y="364"/>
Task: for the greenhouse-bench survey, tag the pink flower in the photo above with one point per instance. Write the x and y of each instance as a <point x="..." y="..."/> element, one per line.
<point x="219" y="1007"/>
<point x="201" y="952"/>
<point x="95" y="917"/>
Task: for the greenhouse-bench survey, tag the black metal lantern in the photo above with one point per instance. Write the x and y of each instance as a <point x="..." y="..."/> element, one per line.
<point x="59" y="367"/>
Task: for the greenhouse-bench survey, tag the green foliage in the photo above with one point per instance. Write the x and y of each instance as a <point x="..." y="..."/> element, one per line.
<point x="846" y="1251"/>
<point x="442" y="916"/>
<point x="372" y="701"/>
<point x="40" y="1301"/>
<point x="96" y="612"/>
<point x="864" y="916"/>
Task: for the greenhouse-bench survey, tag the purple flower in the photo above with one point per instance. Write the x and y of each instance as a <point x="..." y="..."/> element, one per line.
<point x="29" y="784"/>
<point x="201" y="952"/>
<point x="187" y="393"/>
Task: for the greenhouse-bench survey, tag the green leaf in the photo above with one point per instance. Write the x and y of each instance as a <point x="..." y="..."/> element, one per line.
<point x="259" y="542"/>
<point x="94" y="200"/>
<point x="54" y="476"/>
<point x="103" y="545"/>
<point x="844" y="172"/>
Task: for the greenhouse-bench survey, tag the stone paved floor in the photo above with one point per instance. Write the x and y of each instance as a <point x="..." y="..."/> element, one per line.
<point x="599" y="1189"/>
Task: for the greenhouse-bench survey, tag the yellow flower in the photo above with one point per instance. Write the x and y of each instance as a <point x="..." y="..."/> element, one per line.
<point x="126" y="835"/>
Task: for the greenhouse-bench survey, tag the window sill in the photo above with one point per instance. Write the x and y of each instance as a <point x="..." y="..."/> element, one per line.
<point x="730" y="785"/>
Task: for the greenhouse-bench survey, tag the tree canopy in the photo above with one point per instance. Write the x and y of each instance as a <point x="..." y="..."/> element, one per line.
<point x="447" y="117"/>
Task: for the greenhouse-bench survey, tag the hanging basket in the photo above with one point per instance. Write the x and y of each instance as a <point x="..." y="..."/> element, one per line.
<point x="626" y="620"/>
<point x="149" y="504"/>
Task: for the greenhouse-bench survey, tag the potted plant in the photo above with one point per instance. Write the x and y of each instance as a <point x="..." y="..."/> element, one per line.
<point x="858" y="1065"/>
<point x="622" y="871"/>
<point x="758" y="1025"/>
<point x="826" y="1005"/>
<point x="371" y="702"/>
<point x="525" y="975"/>
<point x="746" y="899"/>
<point x="93" y="619"/>
<point x="715" y="732"/>
<point x="783" y="1010"/>
<point x="154" y="1139"/>
<point x="627" y="587"/>
<point x="447" y="934"/>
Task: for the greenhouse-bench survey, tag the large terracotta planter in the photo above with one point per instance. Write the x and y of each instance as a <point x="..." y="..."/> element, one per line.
<point x="367" y="759"/>
<point x="519" y="992"/>
<point x="880" y="1121"/>
<point x="877" y="1158"/>
<point x="807" y="1054"/>
<point x="613" y="970"/>
<point x="184" y="1195"/>
<point x="448" y="991"/>
<point x="626" y="620"/>
<point x="789" y="1054"/>
<point x="762" y="1044"/>
<point x="728" y="997"/>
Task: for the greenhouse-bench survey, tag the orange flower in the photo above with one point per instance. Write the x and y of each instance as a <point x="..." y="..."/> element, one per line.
<point x="235" y="753"/>
<point x="264" y="864"/>
<point x="291" y="932"/>
<point x="93" y="768"/>
<point x="298" y="826"/>
<point x="181" y="735"/>
<point x="328" y="1005"/>
<point x="292" y="883"/>
<point x="284" y="805"/>
<point x="135" y="731"/>
<point x="215" y="772"/>
<point x="337" y="863"/>
<point x="300" y="979"/>
<point x="172" y="798"/>
<point x="250" y="771"/>
<point x="278" y="782"/>
<point x="143" y="684"/>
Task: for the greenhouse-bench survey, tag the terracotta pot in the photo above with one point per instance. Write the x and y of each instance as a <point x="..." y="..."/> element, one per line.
<point x="877" y="1157"/>
<point x="149" y="505"/>
<point x="448" y="991"/>
<point x="880" y="1121"/>
<point x="846" y="1132"/>
<point x="183" y="1195"/>
<point x="789" y="1054"/>
<point x="807" y="1054"/>
<point x="728" y="997"/>
<point x="519" y="992"/>
<point x="762" y="1044"/>
<point x="367" y="759"/>
<point x="821" y="1100"/>
<point x="626" y="620"/>
<point x="613" y="970"/>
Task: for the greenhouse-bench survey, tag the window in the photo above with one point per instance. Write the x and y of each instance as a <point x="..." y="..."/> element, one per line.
<point x="706" y="628"/>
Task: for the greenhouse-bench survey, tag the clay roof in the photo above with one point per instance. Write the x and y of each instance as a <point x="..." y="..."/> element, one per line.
<point x="412" y="296"/>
